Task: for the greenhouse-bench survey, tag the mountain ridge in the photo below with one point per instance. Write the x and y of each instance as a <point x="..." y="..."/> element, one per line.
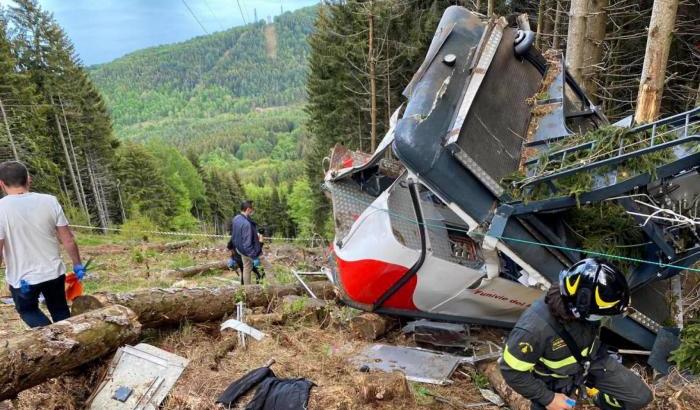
<point x="232" y="71"/>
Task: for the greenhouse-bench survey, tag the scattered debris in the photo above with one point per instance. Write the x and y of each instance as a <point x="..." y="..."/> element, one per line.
<point x="492" y="397"/>
<point x="323" y="272"/>
<point x="456" y="404"/>
<point x="123" y="393"/>
<point x="419" y="365"/>
<point x="439" y="334"/>
<point x="139" y="377"/>
<point x="243" y="328"/>
<point x="272" y="393"/>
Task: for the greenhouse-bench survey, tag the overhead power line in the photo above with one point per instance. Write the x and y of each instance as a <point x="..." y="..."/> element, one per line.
<point x="221" y="26"/>
<point x="195" y="17"/>
<point x="241" y="10"/>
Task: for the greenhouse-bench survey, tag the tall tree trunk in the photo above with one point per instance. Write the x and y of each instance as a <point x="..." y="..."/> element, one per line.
<point x="491" y="5"/>
<point x="9" y="134"/>
<point x="651" y="87"/>
<point x="372" y="79"/>
<point x="593" y="48"/>
<point x="96" y="193"/>
<point x="32" y="357"/>
<point x="541" y="9"/>
<point x="556" y="31"/>
<point x="68" y="159"/>
<point x="75" y="160"/>
<point x="576" y="38"/>
<point x="103" y="198"/>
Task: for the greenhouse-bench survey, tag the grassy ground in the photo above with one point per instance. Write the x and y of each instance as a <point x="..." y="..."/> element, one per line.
<point x="317" y="349"/>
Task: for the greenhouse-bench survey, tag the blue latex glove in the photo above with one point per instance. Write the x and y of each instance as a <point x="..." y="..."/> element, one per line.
<point x="24" y="286"/>
<point x="231" y="263"/>
<point x="79" y="271"/>
<point x="256" y="262"/>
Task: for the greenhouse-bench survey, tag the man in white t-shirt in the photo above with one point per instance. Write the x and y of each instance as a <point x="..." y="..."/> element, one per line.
<point x="31" y="225"/>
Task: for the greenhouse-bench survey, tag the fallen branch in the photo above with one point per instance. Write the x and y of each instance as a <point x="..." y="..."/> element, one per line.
<point x="160" y="307"/>
<point x="228" y="342"/>
<point x="32" y="357"/>
<point x="172" y="246"/>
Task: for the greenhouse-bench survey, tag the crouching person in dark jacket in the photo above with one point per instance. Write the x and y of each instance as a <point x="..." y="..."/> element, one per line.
<point x="246" y="240"/>
<point x="554" y="351"/>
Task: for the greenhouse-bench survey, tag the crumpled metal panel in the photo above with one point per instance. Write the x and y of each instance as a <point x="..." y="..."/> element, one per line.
<point x="419" y="365"/>
<point x="151" y="373"/>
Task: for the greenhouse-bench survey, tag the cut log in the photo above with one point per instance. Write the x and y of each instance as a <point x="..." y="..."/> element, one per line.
<point x="194" y="270"/>
<point x="379" y="386"/>
<point x="172" y="246"/>
<point x="371" y="326"/>
<point x="37" y="355"/>
<point x="493" y="374"/>
<point x="161" y="307"/>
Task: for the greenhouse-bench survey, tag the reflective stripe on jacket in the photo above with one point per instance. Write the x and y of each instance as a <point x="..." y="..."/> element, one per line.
<point x="534" y="353"/>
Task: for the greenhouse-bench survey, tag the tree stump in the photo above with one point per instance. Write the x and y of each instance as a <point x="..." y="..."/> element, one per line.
<point x="379" y="386"/>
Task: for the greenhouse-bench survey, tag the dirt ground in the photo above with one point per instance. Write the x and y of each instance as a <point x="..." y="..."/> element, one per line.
<point x="308" y="346"/>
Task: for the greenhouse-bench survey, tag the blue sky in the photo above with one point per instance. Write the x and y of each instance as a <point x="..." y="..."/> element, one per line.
<point x="103" y="30"/>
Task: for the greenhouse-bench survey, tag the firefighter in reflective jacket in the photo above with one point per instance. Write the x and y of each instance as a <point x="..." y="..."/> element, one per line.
<point x="537" y="361"/>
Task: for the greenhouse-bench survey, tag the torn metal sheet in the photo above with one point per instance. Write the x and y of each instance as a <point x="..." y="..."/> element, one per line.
<point x="146" y="372"/>
<point x="242" y="327"/>
<point x="438" y="334"/>
<point x="419" y="365"/>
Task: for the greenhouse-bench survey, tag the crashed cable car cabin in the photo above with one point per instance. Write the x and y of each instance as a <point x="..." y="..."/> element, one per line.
<point x="436" y="234"/>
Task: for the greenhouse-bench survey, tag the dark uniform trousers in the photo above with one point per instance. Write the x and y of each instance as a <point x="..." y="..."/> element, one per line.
<point x="537" y="363"/>
<point x="619" y="387"/>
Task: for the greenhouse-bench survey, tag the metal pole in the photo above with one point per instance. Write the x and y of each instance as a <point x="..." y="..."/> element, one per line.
<point x="9" y="134"/>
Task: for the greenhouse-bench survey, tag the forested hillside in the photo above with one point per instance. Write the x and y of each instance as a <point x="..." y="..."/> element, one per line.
<point x="232" y="101"/>
<point x="54" y="120"/>
<point x="257" y="65"/>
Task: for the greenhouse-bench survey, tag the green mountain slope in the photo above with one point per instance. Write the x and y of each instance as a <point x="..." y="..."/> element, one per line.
<point x="258" y="65"/>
